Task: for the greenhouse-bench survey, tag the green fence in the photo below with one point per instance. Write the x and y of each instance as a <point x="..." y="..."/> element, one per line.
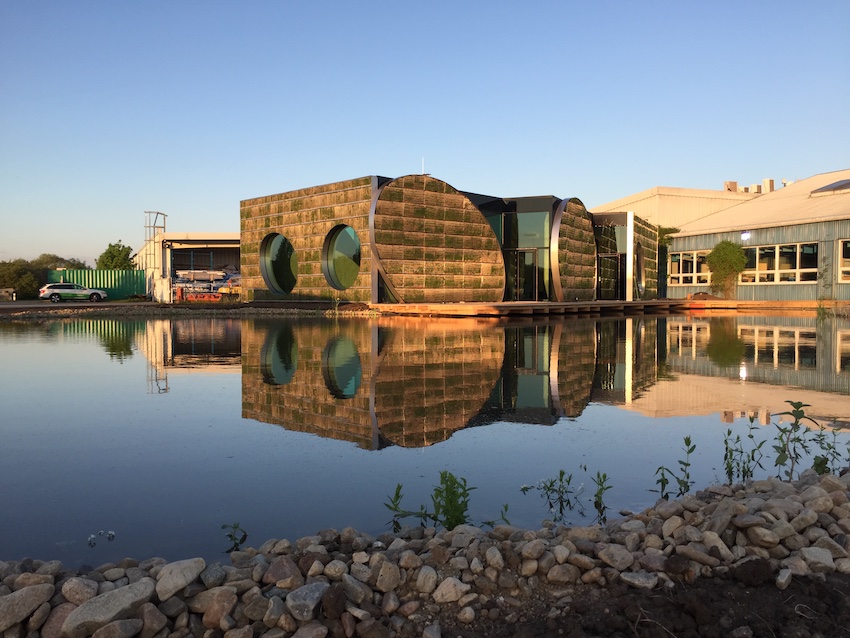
<point x="118" y="284"/>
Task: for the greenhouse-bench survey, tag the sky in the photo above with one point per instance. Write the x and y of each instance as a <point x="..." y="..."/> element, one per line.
<point x="110" y="108"/>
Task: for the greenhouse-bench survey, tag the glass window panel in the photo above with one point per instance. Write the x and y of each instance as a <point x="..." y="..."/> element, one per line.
<point x="808" y="276"/>
<point x="767" y="258"/>
<point x="808" y="255"/>
<point x="787" y="257"/>
<point x="342" y="259"/>
<point x="751" y="258"/>
<point x="675" y="263"/>
<point x="687" y="262"/>
<point x="788" y="276"/>
<point x="533" y="230"/>
<point x="845" y="253"/>
<point x="766" y="277"/>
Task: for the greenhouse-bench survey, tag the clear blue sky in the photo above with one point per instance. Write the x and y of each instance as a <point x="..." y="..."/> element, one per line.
<point x="112" y="108"/>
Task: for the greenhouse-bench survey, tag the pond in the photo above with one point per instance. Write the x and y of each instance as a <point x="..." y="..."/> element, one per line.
<point x="144" y="438"/>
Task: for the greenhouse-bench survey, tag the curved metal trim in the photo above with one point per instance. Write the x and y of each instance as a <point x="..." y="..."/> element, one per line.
<point x="554" y="261"/>
<point x="378" y="267"/>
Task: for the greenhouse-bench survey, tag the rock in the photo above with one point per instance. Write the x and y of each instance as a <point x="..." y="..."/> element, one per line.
<point x="818" y="559"/>
<point x="640" y="580"/>
<point x="494" y="558"/>
<point x="450" y="590"/>
<point x="466" y="615"/>
<point x="101" y="610"/>
<point x="303" y="601"/>
<point x="388" y="577"/>
<point x="18" y="605"/>
<point x="371" y="628"/>
<point x="120" y="629"/>
<point x="52" y="627"/>
<point x="426" y="581"/>
<point x="356" y="590"/>
<point x="783" y="579"/>
<point x="311" y="630"/>
<point x="79" y="590"/>
<point x="175" y="576"/>
<point x="617" y="557"/>
<point x="432" y="631"/>
<point x="563" y="574"/>
<point x="762" y="537"/>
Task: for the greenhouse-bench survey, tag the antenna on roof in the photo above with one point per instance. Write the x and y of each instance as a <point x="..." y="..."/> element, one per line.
<point x="423" y="165"/>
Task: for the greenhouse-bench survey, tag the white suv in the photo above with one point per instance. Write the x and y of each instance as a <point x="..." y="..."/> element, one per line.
<point x="64" y="292"/>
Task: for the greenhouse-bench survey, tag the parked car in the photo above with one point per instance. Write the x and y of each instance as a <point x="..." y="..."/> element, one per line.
<point x="65" y="292"/>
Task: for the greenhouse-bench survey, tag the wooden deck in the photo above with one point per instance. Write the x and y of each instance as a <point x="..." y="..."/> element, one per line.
<point x="601" y="308"/>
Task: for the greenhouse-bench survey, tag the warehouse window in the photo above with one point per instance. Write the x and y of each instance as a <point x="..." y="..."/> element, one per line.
<point x="278" y="263"/>
<point x="781" y="263"/>
<point x="341" y="257"/>
<point x="688" y="268"/>
<point x="844" y="261"/>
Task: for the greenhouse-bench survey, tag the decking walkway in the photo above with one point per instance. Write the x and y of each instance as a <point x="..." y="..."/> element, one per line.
<point x="597" y="308"/>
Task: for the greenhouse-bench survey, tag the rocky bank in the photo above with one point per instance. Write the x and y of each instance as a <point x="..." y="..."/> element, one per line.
<point x="429" y="583"/>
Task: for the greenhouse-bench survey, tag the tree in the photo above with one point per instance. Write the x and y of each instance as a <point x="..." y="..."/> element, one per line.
<point x="726" y="261"/>
<point x="116" y="257"/>
<point x="17" y="274"/>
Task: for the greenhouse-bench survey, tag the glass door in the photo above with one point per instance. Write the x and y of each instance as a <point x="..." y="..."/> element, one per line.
<point x="522" y="275"/>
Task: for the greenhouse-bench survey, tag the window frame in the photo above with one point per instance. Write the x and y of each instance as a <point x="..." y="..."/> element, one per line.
<point x="767" y="267"/>
<point x="693" y="277"/>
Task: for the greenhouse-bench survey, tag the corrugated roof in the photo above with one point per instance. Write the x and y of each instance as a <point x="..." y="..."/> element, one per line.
<point x="790" y="205"/>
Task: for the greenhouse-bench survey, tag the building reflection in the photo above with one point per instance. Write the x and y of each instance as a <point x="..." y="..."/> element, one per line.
<point x="415" y="382"/>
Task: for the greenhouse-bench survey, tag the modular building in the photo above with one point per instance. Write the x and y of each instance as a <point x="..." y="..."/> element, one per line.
<point x="417" y="239"/>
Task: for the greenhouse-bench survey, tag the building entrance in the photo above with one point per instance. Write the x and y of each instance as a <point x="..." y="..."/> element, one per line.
<point x="522" y="279"/>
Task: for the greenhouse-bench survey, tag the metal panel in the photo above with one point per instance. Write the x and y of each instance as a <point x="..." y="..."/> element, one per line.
<point x="118" y="284"/>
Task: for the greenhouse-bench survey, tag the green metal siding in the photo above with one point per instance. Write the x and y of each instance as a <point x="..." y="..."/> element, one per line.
<point x="118" y="284"/>
<point x="827" y="236"/>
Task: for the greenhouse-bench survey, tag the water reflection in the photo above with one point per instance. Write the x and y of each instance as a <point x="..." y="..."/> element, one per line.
<point x="413" y="383"/>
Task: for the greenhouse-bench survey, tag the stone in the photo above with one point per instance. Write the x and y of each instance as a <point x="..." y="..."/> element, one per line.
<point x="213" y="575"/>
<point x="355" y="590"/>
<point x="371" y="628"/>
<point x="836" y="550"/>
<point x="223" y="601"/>
<point x="52" y="627"/>
<point x="334" y="601"/>
<point x="563" y="574"/>
<point x="762" y="537"/>
<point x="466" y="615"/>
<point x="284" y="573"/>
<point x="388" y="577"/>
<point x="78" y="590"/>
<point x="494" y="558"/>
<point x="617" y="557"/>
<point x="640" y="580"/>
<point x="18" y="605"/>
<point x="432" y="631"/>
<point x="667" y="509"/>
<point x="120" y="629"/>
<point x="783" y="579"/>
<point x="533" y="549"/>
<point x="313" y="629"/>
<point x="335" y="569"/>
<point x="175" y="576"/>
<point x="804" y="519"/>
<point x="671" y="525"/>
<point x="302" y="602"/>
<point x="426" y="580"/>
<point x="101" y="610"/>
<point x="819" y="560"/>
<point x="450" y="590"/>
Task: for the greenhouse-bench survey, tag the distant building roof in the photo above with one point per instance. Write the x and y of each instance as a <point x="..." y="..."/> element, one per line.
<point x="824" y="197"/>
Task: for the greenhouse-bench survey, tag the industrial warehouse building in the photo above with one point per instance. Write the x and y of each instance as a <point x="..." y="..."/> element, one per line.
<point x="797" y="242"/>
<point x="416" y="239"/>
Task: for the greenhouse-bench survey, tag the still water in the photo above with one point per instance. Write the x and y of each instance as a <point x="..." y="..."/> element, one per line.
<point x="163" y="431"/>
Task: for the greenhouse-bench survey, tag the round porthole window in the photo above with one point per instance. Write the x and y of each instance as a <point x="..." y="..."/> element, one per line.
<point x="341" y="257"/>
<point x="279" y="356"/>
<point x="278" y="263"/>
<point x="341" y="367"/>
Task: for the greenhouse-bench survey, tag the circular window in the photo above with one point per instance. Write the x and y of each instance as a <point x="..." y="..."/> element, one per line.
<point x="278" y="263"/>
<point x="341" y="367"/>
<point x="341" y="257"/>
<point x="279" y="356"/>
<point x="640" y="270"/>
